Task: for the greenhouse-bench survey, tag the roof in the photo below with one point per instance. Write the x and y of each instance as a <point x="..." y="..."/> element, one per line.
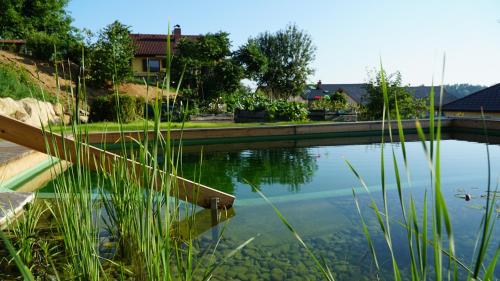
<point x="354" y="91"/>
<point x="12" y="41"/>
<point x="357" y="92"/>
<point x="156" y="44"/>
<point x="488" y="99"/>
<point x="422" y="92"/>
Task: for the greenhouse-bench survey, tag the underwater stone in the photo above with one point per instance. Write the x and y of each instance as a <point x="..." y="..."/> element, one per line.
<point x="277" y="274"/>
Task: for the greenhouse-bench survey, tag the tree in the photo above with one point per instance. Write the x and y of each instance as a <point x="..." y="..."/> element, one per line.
<point x="19" y="18"/>
<point x="111" y="55"/>
<point x="409" y="107"/>
<point x="279" y="62"/>
<point x="209" y="71"/>
<point x="44" y="24"/>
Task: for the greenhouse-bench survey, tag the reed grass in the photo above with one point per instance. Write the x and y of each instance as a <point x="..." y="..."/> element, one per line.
<point x="422" y="233"/>
<point x="136" y="213"/>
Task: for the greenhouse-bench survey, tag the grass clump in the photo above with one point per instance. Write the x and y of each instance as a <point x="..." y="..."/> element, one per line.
<point x="17" y="84"/>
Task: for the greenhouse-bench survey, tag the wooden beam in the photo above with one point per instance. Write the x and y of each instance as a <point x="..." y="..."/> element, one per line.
<point x="98" y="159"/>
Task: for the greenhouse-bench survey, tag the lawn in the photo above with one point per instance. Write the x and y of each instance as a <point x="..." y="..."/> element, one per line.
<point x="139" y="125"/>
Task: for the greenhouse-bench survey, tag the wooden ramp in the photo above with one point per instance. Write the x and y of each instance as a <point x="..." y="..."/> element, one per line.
<point x="98" y="159"/>
<point x="12" y="204"/>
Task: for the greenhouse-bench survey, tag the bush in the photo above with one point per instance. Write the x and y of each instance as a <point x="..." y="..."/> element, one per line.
<point x="169" y="111"/>
<point x="329" y="103"/>
<point x="287" y="111"/>
<point x="17" y="84"/>
<point x="117" y="107"/>
<point x="277" y="110"/>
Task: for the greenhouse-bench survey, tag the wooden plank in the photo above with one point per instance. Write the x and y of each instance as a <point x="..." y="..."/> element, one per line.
<point x="12" y="204"/>
<point x="98" y="159"/>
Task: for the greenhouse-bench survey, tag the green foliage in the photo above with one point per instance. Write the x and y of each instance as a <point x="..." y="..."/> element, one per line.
<point x="122" y="108"/>
<point x="17" y="84"/>
<point x="409" y="107"/>
<point x="44" y="25"/>
<point x="209" y="68"/>
<point x="111" y="55"/>
<point x="462" y="90"/>
<point x="287" y="111"/>
<point x="277" y="110"/>
<point x="252" y="101"/>
<point x="336" y="102"/>
<point x="279" y="62"/>
<point x="20" y="18"/>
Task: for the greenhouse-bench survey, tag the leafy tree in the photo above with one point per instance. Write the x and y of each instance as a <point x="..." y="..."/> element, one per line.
<point x="209" y="71"/>
<point x="44" y="24"/>
<point x="409" y="107"/>
<point x="462" y="90"/>
<point x="19" y="18"/>
<point x="279" y="62"/>
<point x="111" y="55"/>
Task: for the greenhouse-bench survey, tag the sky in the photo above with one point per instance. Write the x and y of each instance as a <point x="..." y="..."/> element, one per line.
<point x="352" y="37"/>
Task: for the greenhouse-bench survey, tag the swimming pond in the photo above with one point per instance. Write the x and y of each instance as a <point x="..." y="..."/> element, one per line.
<point x="311" y="184"/>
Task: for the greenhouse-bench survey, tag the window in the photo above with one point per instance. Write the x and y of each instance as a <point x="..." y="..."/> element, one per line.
<point x="151" y="65"/>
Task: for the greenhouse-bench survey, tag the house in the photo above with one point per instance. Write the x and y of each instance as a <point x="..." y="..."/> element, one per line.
<point x="353" y="92"/>
<point x="151" y="51"/>
<point x="13" y="45"/>
<point x="356" y="93"/>
<point x="470" y="106"/>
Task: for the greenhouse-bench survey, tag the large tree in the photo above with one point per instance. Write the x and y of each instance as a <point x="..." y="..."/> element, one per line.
<point x="19" y="18"/>
<point x="279" y="62"/>
<point x="209" y="71"/>
<point x="408" y="106"/>
<point x="45" y="24"/>
<point x="111" y="55"/>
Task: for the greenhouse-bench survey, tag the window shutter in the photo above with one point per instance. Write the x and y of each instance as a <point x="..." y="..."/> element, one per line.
<point x="145" y="65"/>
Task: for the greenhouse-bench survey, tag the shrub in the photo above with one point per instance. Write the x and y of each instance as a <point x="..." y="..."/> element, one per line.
<point x="329" y="103"/>
<point x="287" y="111"/>
<point x="117" y="107"/>
<point x="17" y="84"/>
<point x="277" y="110"/>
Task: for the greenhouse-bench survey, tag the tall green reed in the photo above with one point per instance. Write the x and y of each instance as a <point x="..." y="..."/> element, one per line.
<point x="417" y="226"/>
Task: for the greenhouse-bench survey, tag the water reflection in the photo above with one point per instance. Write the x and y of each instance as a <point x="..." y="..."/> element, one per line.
<point x="292" y="167"/>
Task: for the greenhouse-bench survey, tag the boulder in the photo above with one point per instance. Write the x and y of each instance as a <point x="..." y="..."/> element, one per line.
<point x="40" y="112"/>
<point x="32" y="111"/>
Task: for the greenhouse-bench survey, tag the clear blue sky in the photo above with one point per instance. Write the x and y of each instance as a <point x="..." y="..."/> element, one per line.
<point x="350" y="36"/>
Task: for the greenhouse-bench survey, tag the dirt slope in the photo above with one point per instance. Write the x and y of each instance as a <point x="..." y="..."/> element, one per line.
<point x="44" y="74"/>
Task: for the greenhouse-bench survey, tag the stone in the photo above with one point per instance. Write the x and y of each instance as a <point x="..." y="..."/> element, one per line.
<point x="277" y="274"/>
<point x="58" y="109"/>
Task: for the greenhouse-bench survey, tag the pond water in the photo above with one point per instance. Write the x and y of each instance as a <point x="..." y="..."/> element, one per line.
<point x="311" y="184"/>
<point x="312" y="187"/>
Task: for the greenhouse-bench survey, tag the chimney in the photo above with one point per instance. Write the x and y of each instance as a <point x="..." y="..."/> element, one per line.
<point x="318" y="86"/>
<point x="177" y="31"/>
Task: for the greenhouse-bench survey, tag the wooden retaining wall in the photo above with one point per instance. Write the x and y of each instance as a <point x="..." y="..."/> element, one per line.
<point x="305" y="130"/>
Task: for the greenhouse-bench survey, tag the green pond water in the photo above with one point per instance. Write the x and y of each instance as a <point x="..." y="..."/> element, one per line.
<point x="312" y="186"/>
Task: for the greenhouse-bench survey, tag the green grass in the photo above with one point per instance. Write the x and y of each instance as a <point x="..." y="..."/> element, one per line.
<point x="139" y="125"/>
<point x="17" y="84"/>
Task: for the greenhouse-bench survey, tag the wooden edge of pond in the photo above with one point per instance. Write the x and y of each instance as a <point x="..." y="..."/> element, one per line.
<point x="260" y="131"/>
<point x="322" y="129"/>
<point x="97" y="159"/>
<point x="12" y="204"/>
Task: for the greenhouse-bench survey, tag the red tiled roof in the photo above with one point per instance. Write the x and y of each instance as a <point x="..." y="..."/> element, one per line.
<point x="12" y="41"/>
<point x="156" y="44"/>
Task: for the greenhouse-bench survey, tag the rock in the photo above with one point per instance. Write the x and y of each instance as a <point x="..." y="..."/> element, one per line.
<point x="12" y="108"/>
<point x="58" y="109"/>
<point x="38" y="111"/>
<point x="84" y="118"/>
<point x="32" y="111"/>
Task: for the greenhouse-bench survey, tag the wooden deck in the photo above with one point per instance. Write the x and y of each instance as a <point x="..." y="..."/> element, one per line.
<point x="12" y="204"/>
<point x="98" y="159"/>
